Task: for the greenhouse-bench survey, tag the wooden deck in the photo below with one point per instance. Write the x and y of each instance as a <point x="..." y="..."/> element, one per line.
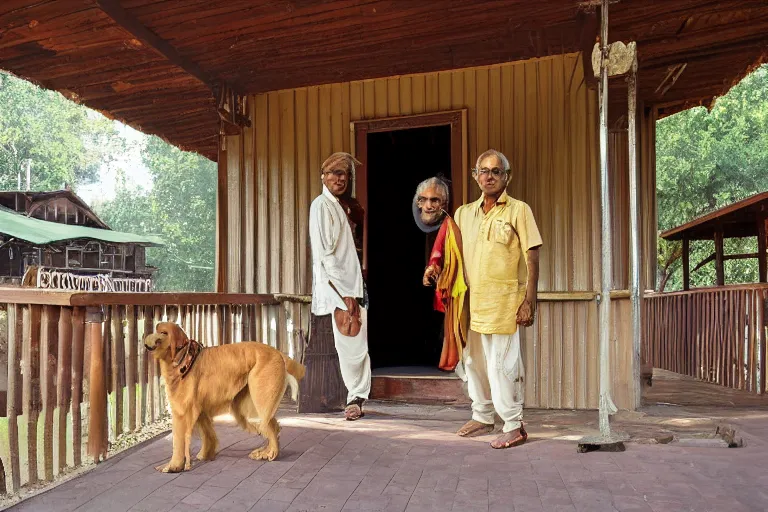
<point x="674" y="388"/>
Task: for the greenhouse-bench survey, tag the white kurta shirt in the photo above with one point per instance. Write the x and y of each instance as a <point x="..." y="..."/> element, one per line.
<point x="334" y="255"/>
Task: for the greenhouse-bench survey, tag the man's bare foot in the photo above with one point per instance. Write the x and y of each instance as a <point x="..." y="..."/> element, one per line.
<point x="474" y="428"/>
<point x="509" y="439"/>
<point x="354" y="410"/>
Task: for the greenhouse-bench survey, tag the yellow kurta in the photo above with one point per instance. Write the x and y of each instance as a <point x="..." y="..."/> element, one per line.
<point x="495" y="246"/>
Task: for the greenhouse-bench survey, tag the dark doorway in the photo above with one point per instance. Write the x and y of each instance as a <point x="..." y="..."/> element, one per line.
<point x="403" y="328"/>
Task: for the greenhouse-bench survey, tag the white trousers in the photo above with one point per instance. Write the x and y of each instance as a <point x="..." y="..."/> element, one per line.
<point x="353" y="359"/>
<point x="495" y="378"/>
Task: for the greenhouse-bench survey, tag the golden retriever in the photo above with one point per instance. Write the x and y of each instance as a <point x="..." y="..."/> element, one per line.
<point x="245" y="379"/>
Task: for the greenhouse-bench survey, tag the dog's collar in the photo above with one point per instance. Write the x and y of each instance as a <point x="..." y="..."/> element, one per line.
<point x="186" y="357"/>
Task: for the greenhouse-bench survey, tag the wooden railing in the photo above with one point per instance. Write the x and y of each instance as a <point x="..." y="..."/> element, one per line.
<point x="715" y="334"/>
<point x="77" y="369"/>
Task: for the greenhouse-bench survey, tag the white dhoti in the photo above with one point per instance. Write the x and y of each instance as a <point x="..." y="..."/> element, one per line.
<point x="495" y="378"/>
<point x="354" y="361"/>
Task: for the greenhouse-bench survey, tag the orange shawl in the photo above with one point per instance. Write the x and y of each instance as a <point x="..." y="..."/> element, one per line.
<point x="452" y="288"/>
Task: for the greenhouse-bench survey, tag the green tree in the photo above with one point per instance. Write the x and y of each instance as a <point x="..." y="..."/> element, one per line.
<point x="180" y="207"/>
<point x="706" y="160"/>
<point x="65" y="142"/>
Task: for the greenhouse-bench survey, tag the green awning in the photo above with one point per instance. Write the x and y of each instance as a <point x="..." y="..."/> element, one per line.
<point x="42" y="232"/>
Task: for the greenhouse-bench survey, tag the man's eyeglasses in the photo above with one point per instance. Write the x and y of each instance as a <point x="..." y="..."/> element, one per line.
<point x="483" y="171"/>
<point x="338" y="173"/>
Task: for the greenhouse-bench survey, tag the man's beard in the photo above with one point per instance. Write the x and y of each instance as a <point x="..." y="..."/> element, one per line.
<point x="430" y="219"/>
<point x="425" y="226"/>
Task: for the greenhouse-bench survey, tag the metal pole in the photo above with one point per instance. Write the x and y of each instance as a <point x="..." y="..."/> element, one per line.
<point x="604" y="312"/>
<point x="634" y="231"/>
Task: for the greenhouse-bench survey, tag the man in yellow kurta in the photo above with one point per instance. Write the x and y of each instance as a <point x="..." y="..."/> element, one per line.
<point x="501" y="252"/>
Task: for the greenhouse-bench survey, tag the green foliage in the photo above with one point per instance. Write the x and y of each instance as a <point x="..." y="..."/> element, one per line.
<point x="65" y="141"/>
<point x="707" y="160"/>
<point x="180" y="207"/>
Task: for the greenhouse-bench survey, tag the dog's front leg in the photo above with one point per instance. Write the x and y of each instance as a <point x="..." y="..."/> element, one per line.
<point x="178" y="461"/>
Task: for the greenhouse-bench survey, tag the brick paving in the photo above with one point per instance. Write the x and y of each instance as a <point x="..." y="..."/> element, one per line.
<point x="409" y="460"/>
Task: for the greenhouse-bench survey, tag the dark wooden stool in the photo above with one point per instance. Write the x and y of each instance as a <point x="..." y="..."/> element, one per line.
<point x="322" y="389"/>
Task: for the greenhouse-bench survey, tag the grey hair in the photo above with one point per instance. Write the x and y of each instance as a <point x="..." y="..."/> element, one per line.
<point x="441" y="186"/>
<point x="497" y="154"/>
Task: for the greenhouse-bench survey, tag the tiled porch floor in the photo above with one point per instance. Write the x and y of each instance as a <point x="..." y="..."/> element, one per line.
<point x="408" y="459"/>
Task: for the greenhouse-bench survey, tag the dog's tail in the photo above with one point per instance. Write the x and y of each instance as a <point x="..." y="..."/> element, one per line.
<point x="294" y="373"/>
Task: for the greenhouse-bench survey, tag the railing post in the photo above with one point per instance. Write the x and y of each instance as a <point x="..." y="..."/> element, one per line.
<point x="14" y="405"/>
<point x="78" y="363"/>
<point x="97" y="386"/>
<point x="132" y="365"/>
<point x="64" y="381"/>
<point x="762" y="302"/>
<point x="30" y="357"/>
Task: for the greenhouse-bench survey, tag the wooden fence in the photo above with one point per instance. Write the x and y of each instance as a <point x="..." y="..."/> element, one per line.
<point x="69" y="354"/>
<point x="715" y="334"/>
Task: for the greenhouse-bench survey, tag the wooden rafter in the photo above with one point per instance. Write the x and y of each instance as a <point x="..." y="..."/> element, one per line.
<point x="148" y="38"/>
<point x="230" y="101"/>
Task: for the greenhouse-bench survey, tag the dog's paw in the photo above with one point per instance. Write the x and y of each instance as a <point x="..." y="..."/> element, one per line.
<point x="206" y="456"/>
<point x="266" y="453"/>
<point x="168" y="468"/>
<point x="174" y="467"/>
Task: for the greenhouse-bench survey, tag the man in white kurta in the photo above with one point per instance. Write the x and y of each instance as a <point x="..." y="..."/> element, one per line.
<point x="334" y="259"/>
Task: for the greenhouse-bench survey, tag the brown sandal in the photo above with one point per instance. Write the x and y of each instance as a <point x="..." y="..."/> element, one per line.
<point x="474" y="428"/>
<point x="508" y="441"/>
<point x="354" y="410"/>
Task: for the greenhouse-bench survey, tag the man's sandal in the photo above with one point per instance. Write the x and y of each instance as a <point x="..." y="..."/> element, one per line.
<point x="354" y="410"/>
<point x="474" y="428"/>
<point x="510" y="439"/>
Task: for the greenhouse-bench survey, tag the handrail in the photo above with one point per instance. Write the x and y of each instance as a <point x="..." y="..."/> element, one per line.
<point x="15" y="295"/>
<point x="709" y="289"/>
<point x="74" y="298"/>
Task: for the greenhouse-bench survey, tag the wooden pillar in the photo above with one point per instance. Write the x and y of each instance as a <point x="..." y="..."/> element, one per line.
<point x="762" y="243"/>
<point x="686" y="264"/>
<point x="719" y="262"/>
<point x="97" y="387"/>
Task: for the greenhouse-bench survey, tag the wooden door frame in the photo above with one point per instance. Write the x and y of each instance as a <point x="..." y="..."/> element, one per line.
<point x="456" y="119"/>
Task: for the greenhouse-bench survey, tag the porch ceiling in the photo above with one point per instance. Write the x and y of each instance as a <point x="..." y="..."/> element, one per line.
<point x="151" y="64"/>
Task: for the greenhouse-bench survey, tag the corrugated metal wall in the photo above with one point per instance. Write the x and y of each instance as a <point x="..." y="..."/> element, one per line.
<point x="540" y="113"/>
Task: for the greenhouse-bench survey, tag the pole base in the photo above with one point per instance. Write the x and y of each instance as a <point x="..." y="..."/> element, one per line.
<point x="611" y="443"/>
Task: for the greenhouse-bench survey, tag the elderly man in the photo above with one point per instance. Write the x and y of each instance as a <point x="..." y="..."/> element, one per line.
<point x="501" y="248"/>
<point x="337" y="280"/>
<point x="443" y="246"/>
<point x="429" y="204"/>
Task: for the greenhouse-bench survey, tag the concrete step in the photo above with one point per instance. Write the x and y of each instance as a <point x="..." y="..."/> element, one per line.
<point x="417" y="385"/>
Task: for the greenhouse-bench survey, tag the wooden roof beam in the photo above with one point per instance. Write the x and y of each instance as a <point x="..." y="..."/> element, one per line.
<point x="133" y="26"/>
<point x="229" y="98"/>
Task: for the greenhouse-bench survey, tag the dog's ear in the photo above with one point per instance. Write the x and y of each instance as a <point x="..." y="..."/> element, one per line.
<point x="177" y="338"/>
